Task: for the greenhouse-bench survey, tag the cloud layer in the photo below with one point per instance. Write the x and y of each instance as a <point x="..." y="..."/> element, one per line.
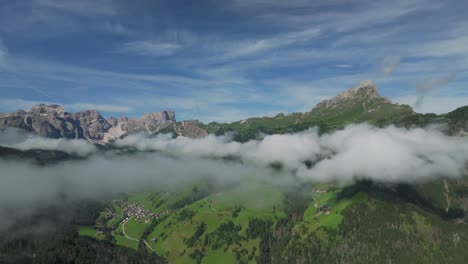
<point x="389" y="155"/>
<point x="19" y="139"/>
<point x="359" y="151"/>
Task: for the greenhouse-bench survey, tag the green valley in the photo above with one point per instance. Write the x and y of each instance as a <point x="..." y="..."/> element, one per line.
<point x="264" y="223"/>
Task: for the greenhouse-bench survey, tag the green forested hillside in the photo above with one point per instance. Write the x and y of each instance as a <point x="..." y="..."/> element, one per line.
<point x="316" y="223"/>
<point x="51" y="236"/>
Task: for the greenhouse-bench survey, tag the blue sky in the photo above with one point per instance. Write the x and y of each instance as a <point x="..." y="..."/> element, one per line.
<point x="228" y="60"/>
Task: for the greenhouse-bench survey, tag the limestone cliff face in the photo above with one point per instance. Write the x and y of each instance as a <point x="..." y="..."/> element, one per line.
<point x="190" y="129"/>
<point x="52" y="121"/>
<point x="149" y="123"/>
<point x="46" y="120"/>
<point x="91" y="125"/>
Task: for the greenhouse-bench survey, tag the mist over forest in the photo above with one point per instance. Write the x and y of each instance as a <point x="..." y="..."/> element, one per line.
<point x="140" y="162"/>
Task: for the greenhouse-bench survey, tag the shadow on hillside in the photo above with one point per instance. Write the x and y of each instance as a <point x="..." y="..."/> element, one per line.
<point x="403" y="193"/>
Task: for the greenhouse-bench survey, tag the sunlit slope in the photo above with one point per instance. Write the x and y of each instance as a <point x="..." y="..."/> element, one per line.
<point x="357" y="105"/>
<point x="214" y="228"/>
<point x="262" y="223"/>
<point x="361" y="104"/>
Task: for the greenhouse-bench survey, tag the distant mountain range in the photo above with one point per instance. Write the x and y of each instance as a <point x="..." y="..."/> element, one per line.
<point x="52" y="121"/>
<point x="356" y="105"/>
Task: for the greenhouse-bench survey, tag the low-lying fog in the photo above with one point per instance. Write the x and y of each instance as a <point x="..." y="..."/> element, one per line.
<point x="359" y="151"/>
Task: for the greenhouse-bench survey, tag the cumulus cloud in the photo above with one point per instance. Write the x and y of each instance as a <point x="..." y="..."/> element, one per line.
<point x="18" y="139"/>
<point x="289" y="149"/>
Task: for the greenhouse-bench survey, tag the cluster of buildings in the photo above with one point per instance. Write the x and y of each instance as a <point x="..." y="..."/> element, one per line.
<point x="139" y="212"/>
<point x="319" y="191"/>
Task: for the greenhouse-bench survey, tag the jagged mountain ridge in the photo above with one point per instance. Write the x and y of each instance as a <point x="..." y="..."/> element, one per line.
<point x="54" y="122"/>
<point x="356" y="105"/>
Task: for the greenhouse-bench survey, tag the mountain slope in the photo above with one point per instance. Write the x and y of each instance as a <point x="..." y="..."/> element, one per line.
<point x="314" y="223"/>
<point x="360" y="104"/>
<point x="356" y="105"/>
<point x="458" y="120"/>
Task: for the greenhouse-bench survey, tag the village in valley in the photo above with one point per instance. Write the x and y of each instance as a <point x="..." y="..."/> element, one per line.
<point x="125" y="220"/>
<point x="132" y="220"/>
<point x="128" y="211"/>
<point x="139" y="212"/>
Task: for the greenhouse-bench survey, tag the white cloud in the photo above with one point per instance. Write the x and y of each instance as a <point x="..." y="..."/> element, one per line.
<point x="19" y="139"/>
<point x="356" y="152"/>
<point x="149" y="48"/>
<point x="258" y="46"/>
<point x="364" y="14"/>
<point x="25" y="187"/>
<point x="359" y="151"/>
<point x="387" y="155"/>
<point x="390" y="155"/>
<point x="165" y="43"/>
<point x="343" y="65"/>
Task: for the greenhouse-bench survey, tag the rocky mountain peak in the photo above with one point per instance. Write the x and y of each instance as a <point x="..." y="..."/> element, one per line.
<point x="149" y="123"/>
<point x="364" y="92"/>
<point x="87" y="114"/>
<point x="164" y="115"/>
<point x="366" y="89"/>
<point x="48" y="109"/>
<point x="53" y="121"/>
